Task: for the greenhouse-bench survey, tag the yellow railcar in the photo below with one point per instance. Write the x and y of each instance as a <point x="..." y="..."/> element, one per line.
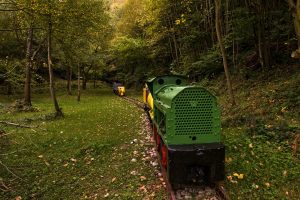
<point x="148" y="100"/>
<point x="121" y="91"/>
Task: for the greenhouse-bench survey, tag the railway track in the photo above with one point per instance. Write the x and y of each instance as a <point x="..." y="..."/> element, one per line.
<point x="197" y="192"/>
<point x="135" y="102"/>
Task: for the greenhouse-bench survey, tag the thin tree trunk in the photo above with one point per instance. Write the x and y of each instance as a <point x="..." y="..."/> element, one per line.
<point x="260" y="51"/>
<point x="27" y="86"/>
<point x="233" y="54"/>
<point x="84" y="80"/>
<point x="69" y="80"/>
<point x="265" y="49"/>
<point x="174" y="43"/>
<point x="295" y="10"/>
<point x="78" y="83"/>
<point x="9" y="89"/>
<point x="211" y="24"/>
<point x="222" y="48"/>
<point x="58" y="111"/>
<point x="94" y="79"/>
<point x="227" y="26"/>
<point x="171" y="49"/>
<point x="262" y="42"/>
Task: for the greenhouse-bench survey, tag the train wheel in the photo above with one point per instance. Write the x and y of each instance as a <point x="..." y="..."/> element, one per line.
<point x="157" y="141"/>
<point x="154" y="132"/>
<point x="164" y="156"/>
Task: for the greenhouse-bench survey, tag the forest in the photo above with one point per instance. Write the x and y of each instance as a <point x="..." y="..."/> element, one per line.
<point x="58" y="59"/>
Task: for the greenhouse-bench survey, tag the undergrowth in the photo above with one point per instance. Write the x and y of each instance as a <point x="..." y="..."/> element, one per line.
<point x="259" y="132"/>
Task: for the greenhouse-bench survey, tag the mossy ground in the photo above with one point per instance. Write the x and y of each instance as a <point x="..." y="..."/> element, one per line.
<point x="85" y="155"/>
<point x="258" y="133"/>
<point x="88" y="153"/>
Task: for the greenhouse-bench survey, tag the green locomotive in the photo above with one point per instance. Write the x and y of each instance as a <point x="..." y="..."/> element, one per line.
<point x="187" y="130"/>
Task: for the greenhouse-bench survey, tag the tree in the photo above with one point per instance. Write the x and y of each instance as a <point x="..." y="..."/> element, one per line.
<point x="58" y="111"/>
<point x="220" y="39"/>
<point x="295" y="10"/>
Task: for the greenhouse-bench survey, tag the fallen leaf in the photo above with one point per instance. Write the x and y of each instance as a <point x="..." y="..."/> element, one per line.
<point x="229" y="178"/>
<point x="228" y="160"/>
<point x="283" y="109"/>
<point x="106" y="195"/>
<point x="133" y="173"/>
<point x="284" y="173"/>
<point x="240" y="176"/>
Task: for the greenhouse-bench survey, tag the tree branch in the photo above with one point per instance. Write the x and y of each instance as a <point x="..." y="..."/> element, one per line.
<point x="10" y="10"/>
<point x="1" y="163"/>
<point x="38" y="49"/>
<point x="19" y="125"/>
<point x="6" y="188"/>
<point x="16" y="29"/>
<point x="292" y="5"/>
<point x="14" y="124"/>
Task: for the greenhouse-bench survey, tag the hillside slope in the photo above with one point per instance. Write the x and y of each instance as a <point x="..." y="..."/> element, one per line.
<point x="260" y="132"/>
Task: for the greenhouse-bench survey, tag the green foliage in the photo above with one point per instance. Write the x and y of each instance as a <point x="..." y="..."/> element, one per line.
<point x="80" y="34"/>
<point x="272" y="132"/>
<point x="209" y="65"/>
<point x="182" y="38"/>
<point x="130" y="58"/>
<point x="11" y="75"/>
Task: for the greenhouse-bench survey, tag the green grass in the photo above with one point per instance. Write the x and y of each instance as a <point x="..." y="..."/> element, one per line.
<point x="97" y="133"/>
<point x="269" y="168"/>
<point x="85" y="155"/>
<point x="258" y="133"/>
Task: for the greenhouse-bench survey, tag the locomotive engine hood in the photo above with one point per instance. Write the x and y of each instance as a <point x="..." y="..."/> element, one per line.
<point x="190" y="114"/>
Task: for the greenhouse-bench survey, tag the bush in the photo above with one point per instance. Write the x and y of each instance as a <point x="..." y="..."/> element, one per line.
<point x="209" y="65"/>
<point x="275" y="132"/>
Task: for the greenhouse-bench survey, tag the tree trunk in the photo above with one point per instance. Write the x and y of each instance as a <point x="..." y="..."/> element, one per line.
<point x="84" y="80"/>
<point x="27" y="86"/>
<point x="174" y="43"/>
<point x="58" y="111"/>
<point x="222" y="48"/>
<point x="295" y="9"/>
<point x="69" y="80"/>
<point x="9" y="89"/>
<point x="260" y="48"/>
<point x="211" y="24"/>
<point x="171" y="49"/>
<point x="227" y="26"/>
<point x="78" y="83"/>
<point x="94" y="79"/>
<point x="263" y="52"/>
